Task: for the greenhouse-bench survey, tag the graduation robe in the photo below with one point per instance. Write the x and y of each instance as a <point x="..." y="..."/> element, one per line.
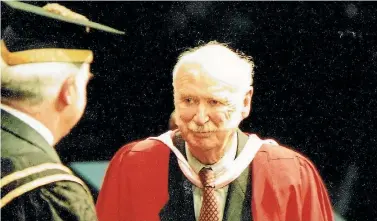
<point x="144" y="182"/>
<point x="35" y="185"/>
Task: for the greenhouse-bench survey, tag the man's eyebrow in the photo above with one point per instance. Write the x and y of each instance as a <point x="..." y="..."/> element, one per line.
<point x="185" y="95"/>
<point x="219" y="97"/>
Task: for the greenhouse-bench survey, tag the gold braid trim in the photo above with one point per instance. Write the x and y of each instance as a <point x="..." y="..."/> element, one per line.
<point x="45" y="55"/>
<point x="40" y="182"/>
<point x="32" y="170"/>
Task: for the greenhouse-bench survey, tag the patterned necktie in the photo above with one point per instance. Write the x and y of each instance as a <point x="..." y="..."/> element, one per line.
<point x="210" y="209"/>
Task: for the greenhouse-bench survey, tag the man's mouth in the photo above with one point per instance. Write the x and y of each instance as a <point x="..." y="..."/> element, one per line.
<point x="202" y="133"/>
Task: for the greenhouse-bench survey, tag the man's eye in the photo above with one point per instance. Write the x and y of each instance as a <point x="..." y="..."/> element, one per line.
<point x="213" y="102"/>
<point x="188" y="100"/>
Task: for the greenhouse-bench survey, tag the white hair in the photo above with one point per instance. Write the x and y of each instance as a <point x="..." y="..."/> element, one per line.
<point x="221" y="63"/>
<point x="35" y="82"/>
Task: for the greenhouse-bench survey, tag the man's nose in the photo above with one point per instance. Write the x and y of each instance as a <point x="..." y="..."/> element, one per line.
<point x="201" y="116"/>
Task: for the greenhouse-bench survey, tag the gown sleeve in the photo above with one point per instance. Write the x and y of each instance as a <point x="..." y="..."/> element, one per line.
<point x="316" y="203"/>
<point x="292" y="188"/>
<point x="63" y="200"/>
<point x="112" y="202"/>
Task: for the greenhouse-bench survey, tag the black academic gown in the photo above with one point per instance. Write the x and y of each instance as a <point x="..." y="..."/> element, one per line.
<point x="45" y="189"/>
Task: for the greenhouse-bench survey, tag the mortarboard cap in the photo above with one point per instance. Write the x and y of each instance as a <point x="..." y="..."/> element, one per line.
<point x="51" y="33"/>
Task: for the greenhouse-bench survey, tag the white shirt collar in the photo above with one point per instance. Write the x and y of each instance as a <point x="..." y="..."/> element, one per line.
<point x="33" y="123"/>
<point x="227" y="159"/>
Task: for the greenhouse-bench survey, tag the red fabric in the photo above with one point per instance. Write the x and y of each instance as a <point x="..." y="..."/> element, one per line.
<point x="286" y="185"/>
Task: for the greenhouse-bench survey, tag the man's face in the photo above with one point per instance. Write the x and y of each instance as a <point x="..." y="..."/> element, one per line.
<point x="207" y="110"/>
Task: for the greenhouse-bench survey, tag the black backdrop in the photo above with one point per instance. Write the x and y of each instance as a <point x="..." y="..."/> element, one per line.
<point x="315" y="81"/>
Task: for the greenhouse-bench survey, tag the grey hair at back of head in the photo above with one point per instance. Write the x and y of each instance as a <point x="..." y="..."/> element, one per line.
<point x="35" y="82"/>
<point x="220" y="61"/>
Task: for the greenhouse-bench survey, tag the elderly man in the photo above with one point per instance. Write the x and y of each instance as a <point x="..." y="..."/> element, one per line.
<point x="43" y="95"/>
<point x="208" y="169"/>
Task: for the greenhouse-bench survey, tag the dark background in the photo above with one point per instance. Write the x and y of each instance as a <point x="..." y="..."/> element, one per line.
<point x="315" y="81"/>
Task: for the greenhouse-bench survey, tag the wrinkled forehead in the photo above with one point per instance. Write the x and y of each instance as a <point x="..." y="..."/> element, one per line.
<point x="193" y="72"/>
<point x="207" y="75"/>
<point x="223" y="68"/>
<point x="194" y="80"/>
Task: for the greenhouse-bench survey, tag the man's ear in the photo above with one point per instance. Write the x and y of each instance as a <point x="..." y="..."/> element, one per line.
<point x="67" y="93"/>
<point x="247" y="103"/>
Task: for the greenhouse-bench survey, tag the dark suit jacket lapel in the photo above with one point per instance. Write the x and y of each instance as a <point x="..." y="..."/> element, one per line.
<point x="20" y="129"/>
<point x="180" y="205"/>
<point x="238" y="203"/>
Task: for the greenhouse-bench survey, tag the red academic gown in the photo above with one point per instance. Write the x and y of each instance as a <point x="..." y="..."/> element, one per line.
<point x="144" y="183"/>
